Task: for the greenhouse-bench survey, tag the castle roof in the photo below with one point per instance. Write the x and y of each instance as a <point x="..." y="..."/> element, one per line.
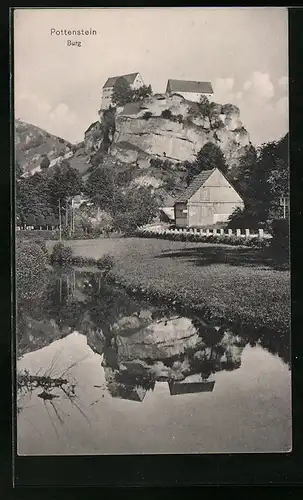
<point x="190" y="86"/>
<point x="130" y="78"/>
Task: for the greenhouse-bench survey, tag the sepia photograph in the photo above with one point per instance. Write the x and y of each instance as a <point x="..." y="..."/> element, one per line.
<point x="152" y="246"/>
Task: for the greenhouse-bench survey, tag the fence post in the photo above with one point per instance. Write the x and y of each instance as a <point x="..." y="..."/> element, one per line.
<point x="207" y="232"/>
<point x="195" y="230"/>
<point x="247" y="232"/>
<point x="261" y="233"/>
<point x="214" y="231"/>
<point x="238" y="232"/>
<point x="222" y="231"/>
<point x="230" y="232"/>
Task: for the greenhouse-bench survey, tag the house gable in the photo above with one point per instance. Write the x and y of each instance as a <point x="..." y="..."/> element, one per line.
<point x="215" y="189"/>
<point x="198" y="181"/>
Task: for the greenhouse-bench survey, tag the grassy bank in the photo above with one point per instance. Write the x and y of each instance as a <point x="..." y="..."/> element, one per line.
<point x="226" y="283"/>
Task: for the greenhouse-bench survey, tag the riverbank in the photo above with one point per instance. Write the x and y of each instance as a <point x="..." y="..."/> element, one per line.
<point x="225" y="283"/>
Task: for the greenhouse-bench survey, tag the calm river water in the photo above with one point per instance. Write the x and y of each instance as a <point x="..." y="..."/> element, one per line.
<point x="102" y="373"/>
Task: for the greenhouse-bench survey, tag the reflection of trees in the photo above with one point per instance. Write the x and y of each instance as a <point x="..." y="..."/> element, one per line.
<point x="85" y="301"/>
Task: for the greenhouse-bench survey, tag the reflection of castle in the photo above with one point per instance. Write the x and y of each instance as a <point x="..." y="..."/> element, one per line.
<point x="175" y="351"/>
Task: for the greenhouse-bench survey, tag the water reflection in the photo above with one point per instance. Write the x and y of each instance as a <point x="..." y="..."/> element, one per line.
<point x="140" y="344"/>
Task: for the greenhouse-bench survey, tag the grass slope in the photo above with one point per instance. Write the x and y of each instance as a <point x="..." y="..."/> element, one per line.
<point x="227" y="283"/>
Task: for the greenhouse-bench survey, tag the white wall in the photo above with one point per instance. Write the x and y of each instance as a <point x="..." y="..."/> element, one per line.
<point x="138" y="82"/>
<point x="193" y="96"/>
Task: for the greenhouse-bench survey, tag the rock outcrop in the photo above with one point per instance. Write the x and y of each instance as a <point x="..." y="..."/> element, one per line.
<point x="175" y="129"/>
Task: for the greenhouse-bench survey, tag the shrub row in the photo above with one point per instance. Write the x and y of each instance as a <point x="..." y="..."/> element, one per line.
<point x="63" y="254"/>
<point x="212" y="238"/>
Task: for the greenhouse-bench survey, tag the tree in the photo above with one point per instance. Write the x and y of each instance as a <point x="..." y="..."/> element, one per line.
<point x="141" y="93"/>
<point x="209" y="157"/>
<point x="262" y="178"/>
<point x="101" y="186"/>
<point x="134" y="207"/>
<point x="122" y="92"/>
<point x="204" y="106"/>
<point x="65" y="183"/>
<point x="45" y="163"/>
<point x="33" y="196"/>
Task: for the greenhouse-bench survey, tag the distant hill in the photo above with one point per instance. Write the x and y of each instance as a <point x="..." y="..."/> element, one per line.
<point x="32" y="143"/>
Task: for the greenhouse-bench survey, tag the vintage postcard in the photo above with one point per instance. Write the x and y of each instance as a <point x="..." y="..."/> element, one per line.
<point x="152" y="231"/>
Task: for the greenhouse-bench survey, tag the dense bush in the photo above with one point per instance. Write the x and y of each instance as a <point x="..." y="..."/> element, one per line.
<point x="61" y="254"/>
<point x="147" y="115"/>
<point x="243" y="218"/>
<point x="279" y="245"/>
<point x="106" y="262"/>
<point x="31" y="263"/>
<point x="41" y="243"/>
<point x="166" y="113"/>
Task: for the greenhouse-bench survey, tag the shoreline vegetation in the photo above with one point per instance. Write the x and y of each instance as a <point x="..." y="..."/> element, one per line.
<point x="234" y="286"/>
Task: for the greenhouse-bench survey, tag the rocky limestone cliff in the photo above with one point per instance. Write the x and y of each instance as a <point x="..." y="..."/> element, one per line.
<point x="141" y="132"/>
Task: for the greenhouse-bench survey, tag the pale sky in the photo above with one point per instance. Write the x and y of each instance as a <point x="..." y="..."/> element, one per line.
<point x="242" y="51"/>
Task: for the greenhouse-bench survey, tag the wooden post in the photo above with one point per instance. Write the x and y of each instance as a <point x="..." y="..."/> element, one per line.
<point x="221" y="231"/>
<point x="214" y="231"/>
<point x="261" y="233"/>
<point x="207" y="232"/>
<point x="66" y="213"/>
<point x="60" y="228"/>
<point x="238" y="232"/>
<point x="247" y="232"/>
<point x="230" y="232"/>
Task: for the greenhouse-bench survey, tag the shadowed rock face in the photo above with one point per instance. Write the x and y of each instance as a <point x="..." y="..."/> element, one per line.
<point x="180" y="140"/>
<point x="158" y="340"/>
<point x="170" y="349"/>
<point x="141" y="133"/>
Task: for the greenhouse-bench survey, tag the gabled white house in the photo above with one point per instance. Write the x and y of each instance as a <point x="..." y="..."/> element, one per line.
<point x="191" y="91"/>
<point x="209" y="199"/>
<point x="135" y="81"/>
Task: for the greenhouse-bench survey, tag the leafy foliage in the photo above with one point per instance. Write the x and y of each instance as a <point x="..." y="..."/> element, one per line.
<point x="65" y="183"/>
<point x="30" y="267"/>
<point x="204" y="106"/>
<point x="123" y="93"/>
<point x="209" y="157"/>
<point x="61" y="254"/>
<point x="106" y="262"/>
<point x="263" y="177"/>
<point x="280" y="241"/>
<point x="167" y="114"/>
<point x="147" y="115"/>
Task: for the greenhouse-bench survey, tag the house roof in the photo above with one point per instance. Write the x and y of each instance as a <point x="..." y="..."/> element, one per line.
<point x="110" y="82"/>
<point x="190" y="86"/>
<point x="194" y="186"/>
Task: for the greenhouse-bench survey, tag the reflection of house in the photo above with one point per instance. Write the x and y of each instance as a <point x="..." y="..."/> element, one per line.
<point x="209" y="199"/>
<point x="134" y="79"/>
<point x="192" y="91"/>
<point x="136" y="393"/>
<point x="189" y="386"/>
